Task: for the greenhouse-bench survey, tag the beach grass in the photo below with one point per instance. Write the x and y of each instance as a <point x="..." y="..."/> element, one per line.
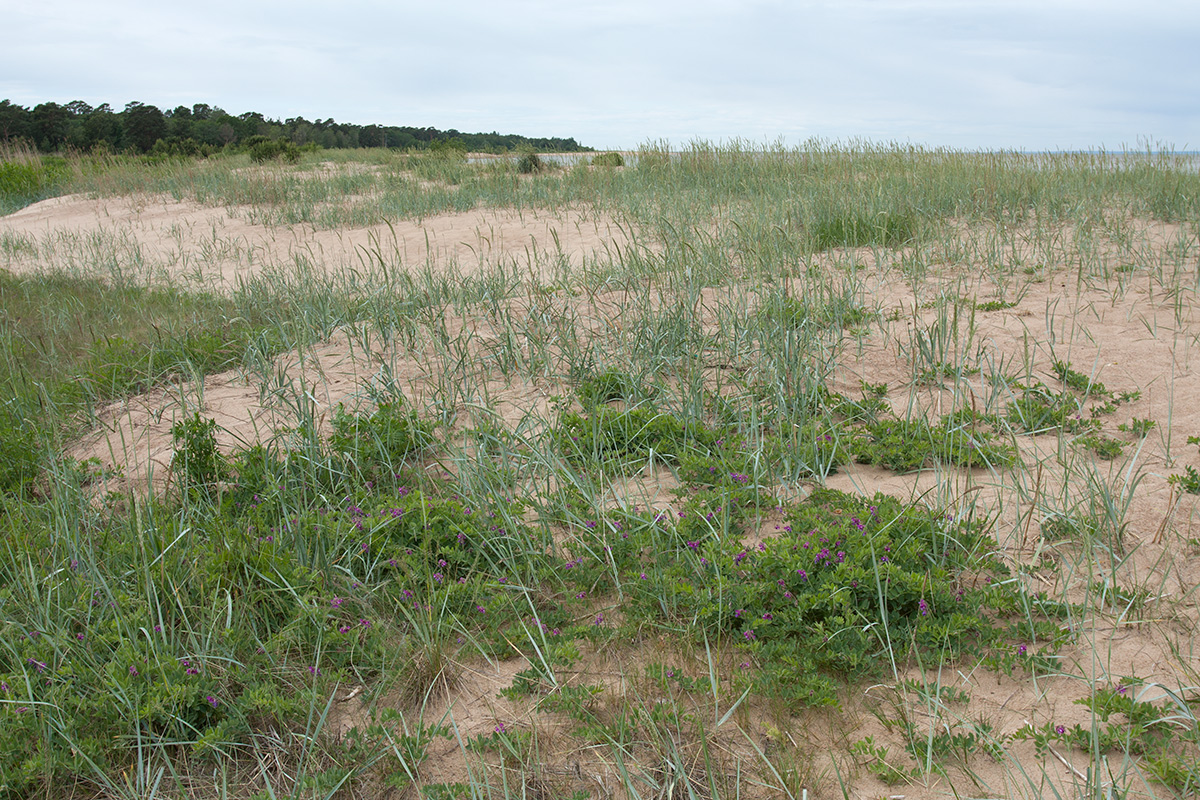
<point x="823" y="484"/>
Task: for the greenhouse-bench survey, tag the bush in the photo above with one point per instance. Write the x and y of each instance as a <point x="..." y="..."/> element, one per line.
<point x="262" y="149"/>
<point x="529" y="164"/>
<point x="196" y="453"/>
<point x="609" y="160"/>
<point x="825" y="598"/>
<point x="454" y="149"/>
<point x="381" y="441"/>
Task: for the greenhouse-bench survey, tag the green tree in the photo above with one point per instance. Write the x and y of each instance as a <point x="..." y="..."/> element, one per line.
<point x="49" y="125"/>
<point x="179" y="123"/>
<point x="144" y="125"/>
<point x="14" y="121"/>
<point x="102" y="128"/>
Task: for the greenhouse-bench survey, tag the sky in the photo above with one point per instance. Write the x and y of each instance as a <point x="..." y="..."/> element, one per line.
<point x="982" y="74"/>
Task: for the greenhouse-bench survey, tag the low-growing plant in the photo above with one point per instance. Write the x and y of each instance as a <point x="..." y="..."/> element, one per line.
<point x="830" y="595"/>
<point x="1188" y="481"/>
<point x="881" y="763"/>
<point x="626" y="436"/>
<point x="1138" y="427"/>
<point x="907" y="445"/>
<point x="1039" y="409"/>
<point x="1104" y="447"/>
<point x="1077" y="381"/>
<point x="835" y="313"/>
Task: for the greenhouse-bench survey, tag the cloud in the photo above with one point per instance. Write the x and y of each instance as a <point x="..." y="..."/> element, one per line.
<point x="980" y="74"/>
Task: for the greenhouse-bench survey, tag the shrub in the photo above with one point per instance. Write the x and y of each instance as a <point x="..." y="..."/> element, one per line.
<point x="529" y="164"/>
<point x="262" y="149"/>
<point x="609" y="160"/>
<point x="196" y="455"/>
<point x="843" y="580"/>
<point x="632" y="435"/>
<point x="453" y="148"/>
<point x="382" y="440"/>
<point x="906" y="445"/>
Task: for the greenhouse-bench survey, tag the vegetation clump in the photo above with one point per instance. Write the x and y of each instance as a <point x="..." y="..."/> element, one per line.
<point x="530" y="163"/>
<point x="608" y="160"/>
<point x="263" y="149"/>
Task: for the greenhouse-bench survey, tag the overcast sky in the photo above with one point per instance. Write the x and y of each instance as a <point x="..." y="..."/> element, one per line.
<point x="987" y="74"/>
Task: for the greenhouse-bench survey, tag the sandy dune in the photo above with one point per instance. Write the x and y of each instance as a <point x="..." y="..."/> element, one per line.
<point x="160" y="238"/>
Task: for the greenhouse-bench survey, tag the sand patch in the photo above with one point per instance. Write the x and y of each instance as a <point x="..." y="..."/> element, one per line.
<point x="159" y="238"/>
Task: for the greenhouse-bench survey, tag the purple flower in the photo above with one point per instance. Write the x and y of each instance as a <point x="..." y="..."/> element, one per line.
<point x="923" y="607"/>
<point x="336" y="601"/>
<point x="1060" y="729"/>
<point x="749" y="636"/>
<point x="212" y="701"/>
<point x="1021" y="650"/>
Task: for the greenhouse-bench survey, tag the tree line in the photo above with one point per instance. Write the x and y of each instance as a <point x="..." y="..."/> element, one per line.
<point x="203" y="129"/>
